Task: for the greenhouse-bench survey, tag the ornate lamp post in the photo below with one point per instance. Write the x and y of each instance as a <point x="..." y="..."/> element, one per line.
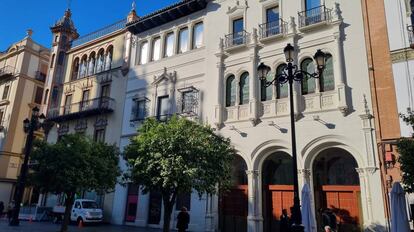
<point x="30" y="126"/>
<point x="293" y="73"/>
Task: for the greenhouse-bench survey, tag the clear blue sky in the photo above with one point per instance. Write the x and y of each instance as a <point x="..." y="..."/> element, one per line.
<point x="88" y="15"/>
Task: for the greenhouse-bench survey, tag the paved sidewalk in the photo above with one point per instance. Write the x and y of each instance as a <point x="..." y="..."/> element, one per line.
<point x="50" y="227"/>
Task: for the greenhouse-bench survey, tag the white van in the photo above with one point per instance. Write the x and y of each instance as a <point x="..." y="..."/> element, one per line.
<point x="86" y="211"/>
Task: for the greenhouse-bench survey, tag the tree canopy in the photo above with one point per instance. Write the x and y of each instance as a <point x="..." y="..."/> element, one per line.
<point x="75" y="163"/>
<point x="406" y="158"/>
<point x="176" y="157"/>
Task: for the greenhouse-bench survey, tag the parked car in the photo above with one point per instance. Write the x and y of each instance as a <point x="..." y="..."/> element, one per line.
<point x="86" y="211"/>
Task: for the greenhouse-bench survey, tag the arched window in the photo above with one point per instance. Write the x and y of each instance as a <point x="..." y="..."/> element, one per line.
<point x="143" y="53"/>
<point x="266" y="92"/>
<point x="52" y="61"/>
<point x="91" y="64"/>
<point x="75" y="69"/>
<point x="183" y="40"/>
<point x="327" y="81"/>
<point x="281" y="89"/>
<point x="308" y="83"/>
<point x="231" y="91"/>
<point x="108" y="59"/>
<point x="156" y="49"/>
<point x="244" y="88"/>
<point x="83" y="66"/>
<point x="198" y="35"/>
<point x="101" y="61"/>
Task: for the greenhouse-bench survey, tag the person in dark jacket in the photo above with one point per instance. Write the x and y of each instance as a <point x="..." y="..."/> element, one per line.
<point x="1" y="209"/>
<point x="183" y="219"/>
<point x="284" y="221"/>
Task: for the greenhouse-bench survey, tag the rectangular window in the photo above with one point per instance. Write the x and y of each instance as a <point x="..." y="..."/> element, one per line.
<point x="105" y="90"/>
<point x="1" y="117"/>
<point x="183" y="40"/>
<point x="238" y="28"/>
<point x="144" y="53"/>
<point x="310" y="4"/>
<point x="198" y="35"/>
<point x="189" y="102"/>
<point x="99" y="135"/>
<point x="6" y="92"/>
<point x="85" y="98"/>
<point x="68" y="102"/>
<point x="163" y="108"/>
<point x="156" y="49"/>
<point x="169" y="45"/>
<point x="139" y="111"/>
<point x="272" y="21"/>
<point x="39" y="95"/>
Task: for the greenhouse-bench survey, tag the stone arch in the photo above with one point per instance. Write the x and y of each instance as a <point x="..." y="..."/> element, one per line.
<point x="265" y="149"/>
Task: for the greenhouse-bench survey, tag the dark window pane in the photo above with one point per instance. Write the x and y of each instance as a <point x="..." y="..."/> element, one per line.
<point x="39" y="95"/>
<point x="183" y="200"/>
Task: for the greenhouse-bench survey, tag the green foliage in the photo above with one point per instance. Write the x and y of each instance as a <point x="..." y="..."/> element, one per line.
<point x="406" y="158"/>
<point x="73" y="164"/>
<point x="178" y="156"/>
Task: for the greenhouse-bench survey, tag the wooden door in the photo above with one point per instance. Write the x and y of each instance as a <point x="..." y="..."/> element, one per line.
<point x="132" y="205"/>
<point x="344" y="201"/>
<point x="234" y="209"/>
<point x="280" y="197"/>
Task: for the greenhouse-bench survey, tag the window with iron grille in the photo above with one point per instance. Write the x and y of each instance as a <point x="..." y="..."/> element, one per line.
<point x="139" y="109"/>
<point x="188" y="102"/>
<point x="6" y="92"/>
<point x="99" y="135"/>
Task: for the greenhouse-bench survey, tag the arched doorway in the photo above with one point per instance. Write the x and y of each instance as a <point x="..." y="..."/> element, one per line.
<point x="277" y="179"/>
<point x="336" y="187"/>
<point x="234" y="203"/>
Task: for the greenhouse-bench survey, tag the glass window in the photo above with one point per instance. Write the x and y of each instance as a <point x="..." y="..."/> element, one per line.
<point x="327" y="81"/>
<point x="144" y="53"/>
<point x="198" y="35"/>
<point x="238" y="28"/>
<point x="230" y="91"/>
<point x="309" y="4"/>
<point x="266" y="92"/>
<point x="91" y="64"/>
<point x="52" y="61"/>
<point x="101" y="61"/>
<point x="61" y="58"/>
<point x="139" y="110"/>
<point x="156" y="49"/>
<point x="281" y="89"/>
<point x="244" y="88"/>
<point x="68" y="102"/>
<point x="99" y="135"/>
<point x="39" y="95"/>
<point x="308" y="83"/>
<point x="85" y="100"/>
<point x="183" y="40"/>
<point x="89" y="205"/>
<point x="6" y="92"/>
<point x="108" y="60"/>
<point x="105" y="90"/>
<point x="169" y="45"/>
<point x="75" y="71"/>
<point x="163" y="109"/>
<point x="46" y="96"/>
<point x="272" y="20"/>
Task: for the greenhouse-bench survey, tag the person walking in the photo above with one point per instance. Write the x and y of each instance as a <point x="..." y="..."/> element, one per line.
<point x="10" y="208"/>
<point x="1" y="209"/>
<point x="284" y="221"/>
<point x="183" y="219"/>
<point x="329" y="220"/>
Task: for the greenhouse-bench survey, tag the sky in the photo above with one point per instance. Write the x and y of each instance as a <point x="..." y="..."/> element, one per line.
<point x="88" y="15"/>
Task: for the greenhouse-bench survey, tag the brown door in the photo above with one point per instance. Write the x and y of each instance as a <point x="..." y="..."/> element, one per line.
<point x="344" y="202"/>
<point x="234" y="206"/>
<point x="280" y="197"/>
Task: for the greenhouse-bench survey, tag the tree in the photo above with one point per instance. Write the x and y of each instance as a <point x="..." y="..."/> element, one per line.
<point x="176" y="157"/>
<point x="75" y="163"/>
<point x="406" y="159"/>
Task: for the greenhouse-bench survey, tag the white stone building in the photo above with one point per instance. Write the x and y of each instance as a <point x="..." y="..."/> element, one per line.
<point x="199" y="58"/>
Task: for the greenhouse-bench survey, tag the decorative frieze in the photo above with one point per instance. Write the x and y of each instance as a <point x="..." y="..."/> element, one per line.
<point x="402" y="55"/>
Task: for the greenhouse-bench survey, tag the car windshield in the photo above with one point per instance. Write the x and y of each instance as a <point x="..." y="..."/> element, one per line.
<point x="89" y="205"/>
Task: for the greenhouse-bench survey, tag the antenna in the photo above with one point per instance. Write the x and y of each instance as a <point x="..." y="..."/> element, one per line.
<point x="133" y="5"/>
<point x="69" y="3"/>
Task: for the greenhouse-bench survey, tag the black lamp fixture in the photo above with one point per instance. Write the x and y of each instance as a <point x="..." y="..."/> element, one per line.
<point x="29" y="126"/>
<point x="289" y="74"/>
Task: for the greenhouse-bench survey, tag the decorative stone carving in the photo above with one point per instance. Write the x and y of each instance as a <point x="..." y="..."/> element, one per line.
<point x="81" y="125"/>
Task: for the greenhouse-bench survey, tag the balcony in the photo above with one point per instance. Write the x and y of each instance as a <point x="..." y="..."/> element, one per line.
<point x="314" y="17"/>
<point x="96" y="106"/>
<point x="272" y="29"/>
<point x="237" y="40"/>
<point x="40" y="76"/>
<point x="7" y="71"/>
<point x="411" y="36"/>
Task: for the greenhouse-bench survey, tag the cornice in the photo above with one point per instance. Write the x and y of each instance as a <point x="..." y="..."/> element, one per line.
<point x="400" y="55"/>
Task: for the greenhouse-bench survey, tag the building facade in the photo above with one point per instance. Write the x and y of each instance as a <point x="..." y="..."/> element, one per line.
<point x="87" y="89"/>
<point x="198" y="58"/>
<point x="23" y="70"/>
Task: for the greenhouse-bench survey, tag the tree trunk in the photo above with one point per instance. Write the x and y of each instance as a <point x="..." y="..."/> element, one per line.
<point x="169" y="201"/>
<point x="68" y="209"/>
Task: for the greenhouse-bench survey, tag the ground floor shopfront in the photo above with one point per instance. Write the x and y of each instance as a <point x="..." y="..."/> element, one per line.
<point x="262" y="187"/>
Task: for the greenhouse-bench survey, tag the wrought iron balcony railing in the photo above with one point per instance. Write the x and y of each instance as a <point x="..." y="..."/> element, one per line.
<point x="7" y="71"/>
<point x="237" y="39"/>
<point x="97" y="34"/>
<point x="270" y="29"/>
<point x="40" y="76"/>
<point x="77" y="110"/>
<point x="314" y="16"/>
<point x="411" y="35"/>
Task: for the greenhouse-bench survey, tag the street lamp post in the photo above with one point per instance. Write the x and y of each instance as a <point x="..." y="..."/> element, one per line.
<point x="30" y="126"/>
<point x="290" y="74"/>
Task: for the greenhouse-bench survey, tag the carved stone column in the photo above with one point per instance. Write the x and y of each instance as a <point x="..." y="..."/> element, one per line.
<point x="254" y="219"/>
<point x="368" y="133"/>
<point x="219" y="108"/>
<point x="253" y="87"/>
<point x="366" y="193"/>
<point x="210" y="225"/>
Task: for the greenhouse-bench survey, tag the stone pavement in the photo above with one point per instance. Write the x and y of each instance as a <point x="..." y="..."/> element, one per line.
<point x="50" y="227"/>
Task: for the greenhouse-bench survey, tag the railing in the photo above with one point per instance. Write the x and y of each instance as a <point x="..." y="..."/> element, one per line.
<point x="97" y="34"/>
<point x="40" y="76"/>
<point x="411" y="35"/>
<point x="84" y="108"/>
<point x="236" y="39"/>
<point x="272" y="28"/>
<point x="313" y="16"/>
<point x="7" y="71"/>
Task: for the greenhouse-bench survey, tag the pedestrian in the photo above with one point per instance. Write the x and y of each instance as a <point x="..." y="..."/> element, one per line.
<point x="329" y="220"/>
<point x="183" y="219"/>
<point x="284" y="221"/>
<point x="328" y="229"/>
<point x="1" y="209"/>
<point x="10" y="209"/>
